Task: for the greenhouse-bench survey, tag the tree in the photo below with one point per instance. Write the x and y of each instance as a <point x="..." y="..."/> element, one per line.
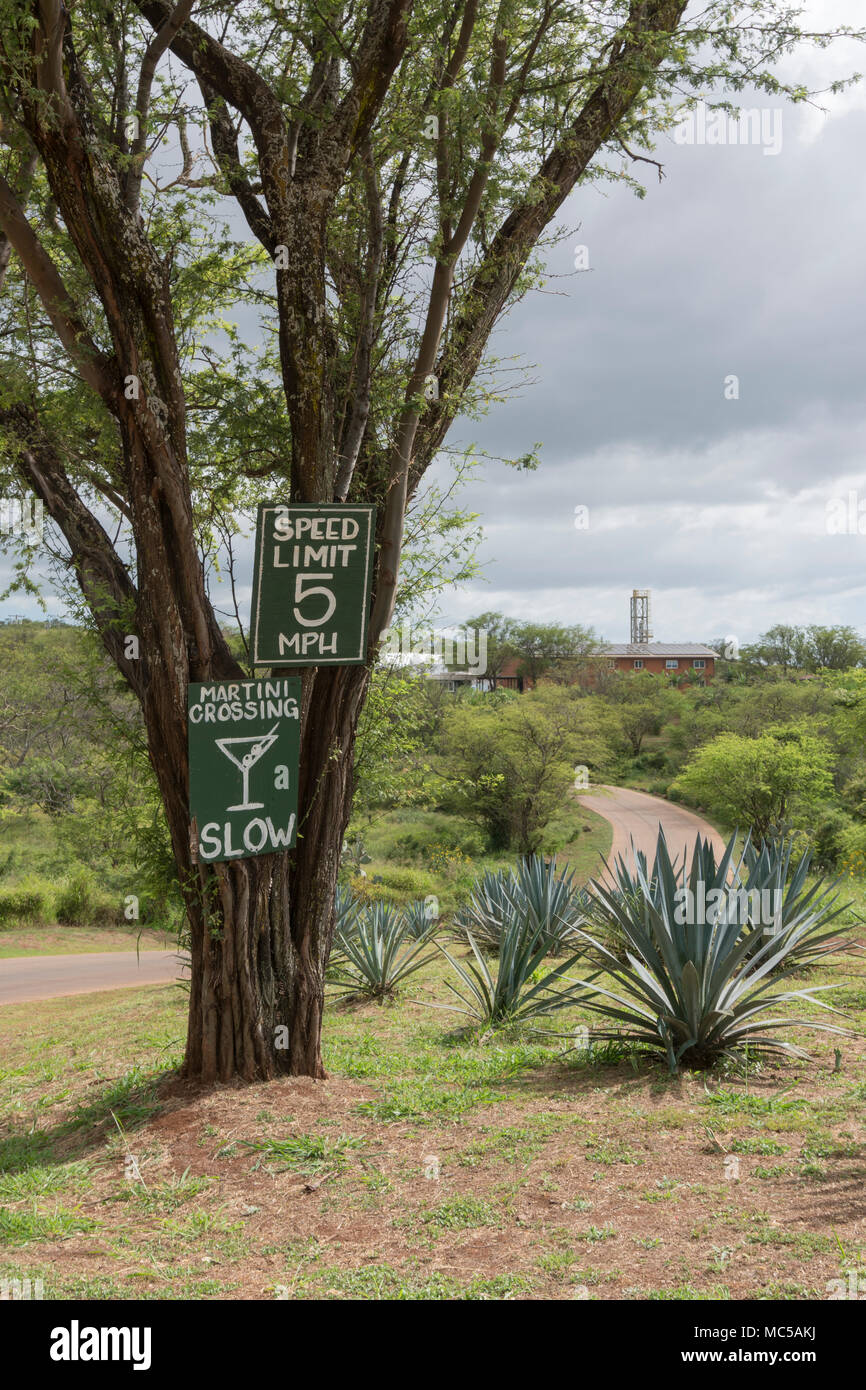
<point x="394" y="731"/>
<point x="551" y="650"/>
<point x="760" y="783"/>
<point x="495" y="632"/>
<point x="780" y="646"/>
<point x="811" y="648"/>
<point x="834" y="648"/>
<point x="511" y="761"/>
<point x="643" y="703"/>
<point x="397" y="165"/>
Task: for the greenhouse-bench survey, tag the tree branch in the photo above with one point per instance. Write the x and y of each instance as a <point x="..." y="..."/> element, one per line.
<point x="227" y="153"/>
<point x="361" y="380"/>
<point x="96" y="369"/>
<point x="25" y="177"/>
<point x="103" y="577"/>
<point x="495" y="277"/>
<point x="158" y="45"/>
<point x="241" y="87"/>
<point x="443" y="276"/>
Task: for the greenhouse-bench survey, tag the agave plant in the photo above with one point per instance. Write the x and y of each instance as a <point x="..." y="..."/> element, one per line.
<point x="375" y="953"/>
<point x="533" y="894"/>
<point x="346" y="909"/>
<point x="520" y="990"/>
<point x="488" y="910"/>
<point x="420" y="921"/>
<point x="705" y="985"/>
<point x="771" y="872"/>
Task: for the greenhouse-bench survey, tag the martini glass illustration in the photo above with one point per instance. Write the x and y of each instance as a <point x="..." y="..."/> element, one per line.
<point x="256" y="745"/>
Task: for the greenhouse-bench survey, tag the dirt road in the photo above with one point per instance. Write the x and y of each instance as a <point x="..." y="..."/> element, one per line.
<point x="635" y="815"/>
<point x="45" y="977"/>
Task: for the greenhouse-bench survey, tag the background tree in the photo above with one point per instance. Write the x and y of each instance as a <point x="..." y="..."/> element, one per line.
<point x="400" y="717"/>
<point x="497" y="637"/>
<point x="510" y="761"/>
<point x="397" y="165"/>
<point x="780" y="646"/>
<point x="762" y="783"/>
<point x="837" y="648"/>
<point x="811" y="648"/>
<point x="551" y="650"/>
<point x="643" y="702"/>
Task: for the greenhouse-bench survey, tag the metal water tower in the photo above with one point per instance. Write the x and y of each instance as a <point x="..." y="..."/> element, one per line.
<point x="641" y="620"/>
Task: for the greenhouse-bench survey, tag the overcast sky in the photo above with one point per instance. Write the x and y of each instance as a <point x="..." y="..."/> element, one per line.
<point x="738" y="263"/>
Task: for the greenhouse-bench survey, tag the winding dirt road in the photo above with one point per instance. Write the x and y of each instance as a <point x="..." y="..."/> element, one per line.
<point x="636" y="816"/>
<point x="45" y="977"/>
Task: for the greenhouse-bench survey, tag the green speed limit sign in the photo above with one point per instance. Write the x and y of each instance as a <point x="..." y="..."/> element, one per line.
<point x="311" y="585"/>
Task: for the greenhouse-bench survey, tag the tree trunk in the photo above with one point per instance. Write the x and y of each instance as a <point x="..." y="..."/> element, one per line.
<point x="261" y="928"/>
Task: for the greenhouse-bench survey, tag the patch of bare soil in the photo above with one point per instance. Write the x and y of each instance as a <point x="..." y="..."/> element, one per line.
<point x="649" y="1192"/>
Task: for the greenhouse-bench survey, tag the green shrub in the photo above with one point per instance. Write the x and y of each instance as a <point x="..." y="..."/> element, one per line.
<point x="76" y="901"/>
<point x="658" y="786"/>
<point x="29" y="901"/>
<point x="852" y="852"/>
<point x="826" y="832"/>
<point x="107" y="913"/>
<point x="420" y="845"/>
<point x="394" y="885"/>
<point x="651" y="760"/>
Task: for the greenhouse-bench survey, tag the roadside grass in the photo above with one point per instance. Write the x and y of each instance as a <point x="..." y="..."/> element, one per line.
<point x="430" y="1165"/>
<point x="423" y="842"/>
<point x="76" y="941"/>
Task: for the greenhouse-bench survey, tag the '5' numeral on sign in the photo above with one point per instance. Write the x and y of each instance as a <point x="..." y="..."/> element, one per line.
<point x="302" y="593"/>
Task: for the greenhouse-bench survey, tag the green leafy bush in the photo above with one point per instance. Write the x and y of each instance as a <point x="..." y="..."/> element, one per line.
<point x="29" y="900"/>
<point x="75" y="903"/>
<point x="395" y="885"/>
<point x="418" y="846"/>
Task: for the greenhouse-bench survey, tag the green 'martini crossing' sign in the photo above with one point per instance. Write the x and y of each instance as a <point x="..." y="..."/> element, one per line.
<point x="244" y="748"/>
<point x="311" y="585"/>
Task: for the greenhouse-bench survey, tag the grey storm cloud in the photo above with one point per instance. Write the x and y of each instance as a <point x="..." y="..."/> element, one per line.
<point x="738" y="263"/>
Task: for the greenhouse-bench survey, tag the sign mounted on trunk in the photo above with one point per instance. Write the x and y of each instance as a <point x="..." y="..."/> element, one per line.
<point x="311" y="585"/>
<point x="244" y="747"/>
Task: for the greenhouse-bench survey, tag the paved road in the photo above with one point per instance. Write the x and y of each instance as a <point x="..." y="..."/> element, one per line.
<point x="635" y="815"/>
<point x="45" y="977"/>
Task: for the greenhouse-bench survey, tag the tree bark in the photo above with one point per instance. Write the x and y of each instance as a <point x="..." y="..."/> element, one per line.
<point x="261" y="928"/>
